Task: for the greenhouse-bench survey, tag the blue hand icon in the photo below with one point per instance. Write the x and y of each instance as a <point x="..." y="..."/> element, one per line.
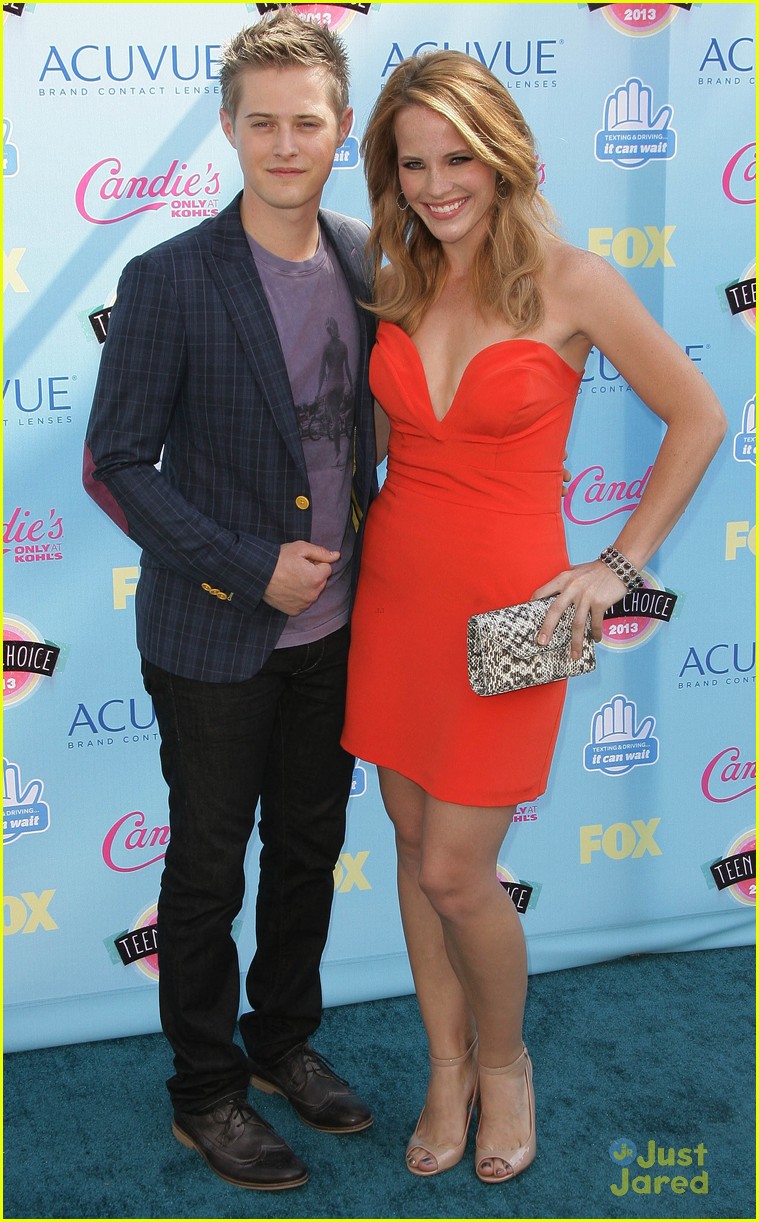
<point x="744" y="443"/>
<point x="615" y="722"/>
<point x="749" y="415"/>
<point x="24" y="812"/>
<point x="630" y="108"/>
<point x="632" y="134"/>
<point x="10" y="152"/>
<point x="13" y="794"/>
<point x="617" y="744"/>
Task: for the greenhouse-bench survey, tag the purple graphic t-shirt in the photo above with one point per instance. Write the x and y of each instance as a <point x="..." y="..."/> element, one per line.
<point x="318" y="330"/>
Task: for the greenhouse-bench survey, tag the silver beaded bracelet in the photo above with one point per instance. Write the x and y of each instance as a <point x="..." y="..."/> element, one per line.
<point x="622" y="567"/>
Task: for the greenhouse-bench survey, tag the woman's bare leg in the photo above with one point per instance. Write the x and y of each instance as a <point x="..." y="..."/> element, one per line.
<point x="445" y="1011"/>
<point x="485" y="946"/>
<point x="467" y="954"/>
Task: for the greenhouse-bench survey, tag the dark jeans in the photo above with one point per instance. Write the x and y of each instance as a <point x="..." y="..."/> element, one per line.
<point x="223" y="746"/>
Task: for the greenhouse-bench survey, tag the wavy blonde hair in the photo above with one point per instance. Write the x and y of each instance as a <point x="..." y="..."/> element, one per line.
<point x="511" y="256"/>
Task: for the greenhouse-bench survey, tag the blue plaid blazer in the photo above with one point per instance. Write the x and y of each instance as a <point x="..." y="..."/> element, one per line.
<point x="193" y="446"/>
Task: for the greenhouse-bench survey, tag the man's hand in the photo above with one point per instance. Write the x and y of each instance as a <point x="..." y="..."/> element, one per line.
<point x="302" y="572"/>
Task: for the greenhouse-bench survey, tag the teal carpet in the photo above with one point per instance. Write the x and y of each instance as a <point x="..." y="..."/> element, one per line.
<point x="657" y="1048"/>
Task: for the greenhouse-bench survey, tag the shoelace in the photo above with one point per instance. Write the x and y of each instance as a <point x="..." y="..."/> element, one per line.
<point x="239" y="1114"/>
<point x="312" y="1060"/>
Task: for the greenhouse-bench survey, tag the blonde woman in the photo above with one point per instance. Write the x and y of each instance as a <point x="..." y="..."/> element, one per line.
<point x="487" y="318"/>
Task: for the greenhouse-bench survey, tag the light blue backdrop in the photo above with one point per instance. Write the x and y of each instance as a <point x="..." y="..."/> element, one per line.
<point x="644" y="840"/>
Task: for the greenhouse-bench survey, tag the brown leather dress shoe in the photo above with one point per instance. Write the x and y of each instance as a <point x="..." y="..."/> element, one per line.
<point x="239" y="1146"/>
<point x="319" y="1096"/>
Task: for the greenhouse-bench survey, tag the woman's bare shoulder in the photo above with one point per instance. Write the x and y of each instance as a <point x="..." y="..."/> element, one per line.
<point x="570" y="267"/>
<point x="574" y="281"/>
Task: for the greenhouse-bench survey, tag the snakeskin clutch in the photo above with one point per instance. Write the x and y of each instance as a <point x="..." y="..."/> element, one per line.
<point x="502" y="654"/>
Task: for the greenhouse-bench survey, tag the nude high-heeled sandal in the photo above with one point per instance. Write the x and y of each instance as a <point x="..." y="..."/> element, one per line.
<point x="516" y="1160"/>
<point x="445" y="1156"/>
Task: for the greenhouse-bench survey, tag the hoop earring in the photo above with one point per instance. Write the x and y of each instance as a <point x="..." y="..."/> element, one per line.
<point x="401" y="207"/>
<point x="501" y="183"/>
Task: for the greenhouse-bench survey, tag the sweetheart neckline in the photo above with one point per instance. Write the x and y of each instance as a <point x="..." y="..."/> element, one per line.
<point x="488" y="347"/>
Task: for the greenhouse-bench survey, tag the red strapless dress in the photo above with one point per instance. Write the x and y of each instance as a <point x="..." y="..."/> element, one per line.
<point x="468" y="519"/>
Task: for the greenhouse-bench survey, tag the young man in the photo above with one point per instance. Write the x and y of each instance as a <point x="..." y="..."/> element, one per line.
<point x="214" y="358"/>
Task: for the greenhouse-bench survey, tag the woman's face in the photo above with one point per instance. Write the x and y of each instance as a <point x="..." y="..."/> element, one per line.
<point x="443" y="182"/>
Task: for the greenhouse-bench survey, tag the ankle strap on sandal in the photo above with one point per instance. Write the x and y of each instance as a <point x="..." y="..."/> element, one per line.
<point x="485" y="1069"/>
<point x="445" y="1061"/>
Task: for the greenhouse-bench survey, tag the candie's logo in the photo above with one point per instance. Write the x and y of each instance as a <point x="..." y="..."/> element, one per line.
<point x="739" y="175"/>
<point x="592" y="497"/>
<point x="131" y="845"/>
<point x="33" y="539"/>
<point x="728" y="776"/>
<point x="526" y="812"/>
<point x="107" y="194"/>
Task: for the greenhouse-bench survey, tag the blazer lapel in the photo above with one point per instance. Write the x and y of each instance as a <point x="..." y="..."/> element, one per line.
<point x="234" y="272"/>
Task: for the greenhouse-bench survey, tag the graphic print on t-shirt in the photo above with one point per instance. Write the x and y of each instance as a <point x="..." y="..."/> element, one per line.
<point x="315" y="316"/>
<point x="330" y="413"/>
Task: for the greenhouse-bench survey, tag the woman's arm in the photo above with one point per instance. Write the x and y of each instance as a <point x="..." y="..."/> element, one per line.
<point x="612" y="318"/>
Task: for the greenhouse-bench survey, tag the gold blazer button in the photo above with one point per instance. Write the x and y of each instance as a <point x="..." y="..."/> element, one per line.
<point x="302" y="502"/>
<point x="225" y="598"/>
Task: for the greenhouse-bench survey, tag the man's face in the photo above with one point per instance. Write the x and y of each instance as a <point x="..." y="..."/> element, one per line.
<point x="286" y="133"/>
